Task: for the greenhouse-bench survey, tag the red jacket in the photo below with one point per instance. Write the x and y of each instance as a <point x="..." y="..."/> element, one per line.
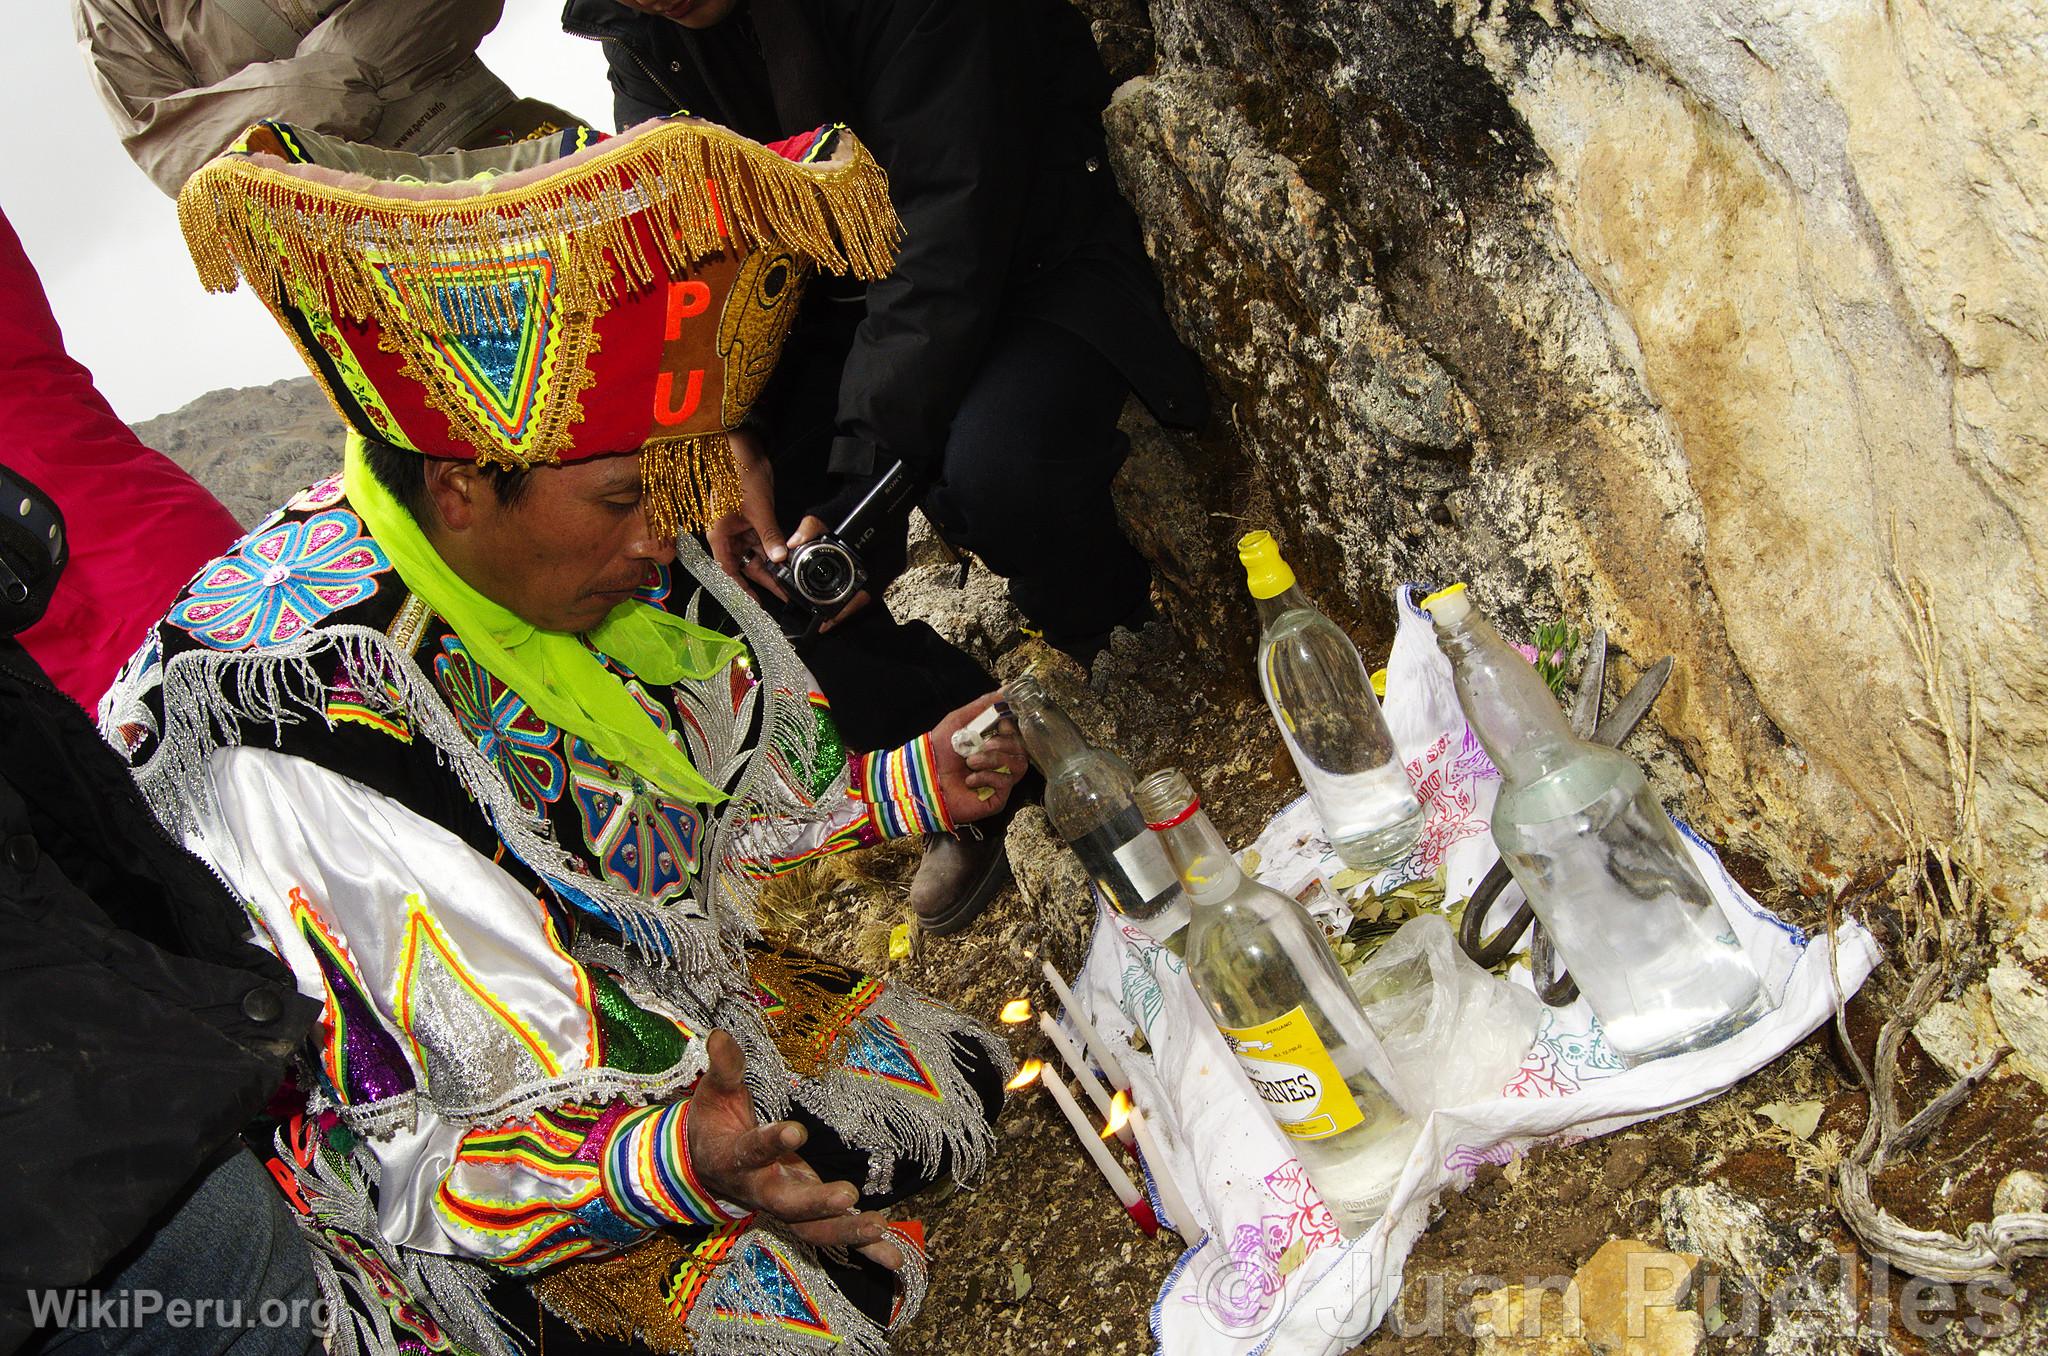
<point x="139" y="526"/>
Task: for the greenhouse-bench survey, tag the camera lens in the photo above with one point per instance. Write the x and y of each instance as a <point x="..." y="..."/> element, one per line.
<point x="824" y="573"/>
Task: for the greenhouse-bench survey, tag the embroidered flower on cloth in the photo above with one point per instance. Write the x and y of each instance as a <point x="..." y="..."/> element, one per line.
<point x="503" y="727"/>
<point x="1445" y="780"/>
<point x="319" y="495"/>
<point x="282" y="581"/>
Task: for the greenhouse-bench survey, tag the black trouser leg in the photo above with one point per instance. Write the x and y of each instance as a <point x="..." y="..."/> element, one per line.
<point x="888" y="681"/>
<point x="1026" y="478"/>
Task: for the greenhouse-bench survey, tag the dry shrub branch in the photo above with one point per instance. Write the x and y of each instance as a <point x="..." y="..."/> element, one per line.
<point x="1946" y="913"/>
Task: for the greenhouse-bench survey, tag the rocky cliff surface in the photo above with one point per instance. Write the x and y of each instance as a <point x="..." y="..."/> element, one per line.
<point x="1707" y="323"/>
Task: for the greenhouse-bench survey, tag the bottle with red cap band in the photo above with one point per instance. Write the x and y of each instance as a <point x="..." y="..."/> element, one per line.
<point x="1277" y="994"/>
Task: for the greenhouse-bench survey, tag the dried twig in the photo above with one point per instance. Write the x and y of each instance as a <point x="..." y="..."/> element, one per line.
<point x="1944" y="886"/>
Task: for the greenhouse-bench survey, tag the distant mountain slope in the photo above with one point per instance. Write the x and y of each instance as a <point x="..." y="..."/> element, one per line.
<point x="254" y="446"/>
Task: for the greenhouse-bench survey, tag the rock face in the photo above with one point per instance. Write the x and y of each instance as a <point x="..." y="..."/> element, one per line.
<point x="1707" y="323"/>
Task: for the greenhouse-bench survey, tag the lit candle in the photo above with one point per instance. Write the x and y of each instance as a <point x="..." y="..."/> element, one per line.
<point x="1127" y="1193"/>
<point x="1096" y="1048"/>
<point x="1183" y="1219"/>
<point x="1090" y="1084"/>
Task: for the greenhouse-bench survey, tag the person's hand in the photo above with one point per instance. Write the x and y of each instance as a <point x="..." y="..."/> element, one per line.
<point x="744" y="542"/>
<point x="998" y="768"/>
<point x="756" y="1166"/>
<point x="814" y="526"/>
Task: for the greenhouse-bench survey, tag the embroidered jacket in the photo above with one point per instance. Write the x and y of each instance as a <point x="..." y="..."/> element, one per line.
<point x="516" y="942"/>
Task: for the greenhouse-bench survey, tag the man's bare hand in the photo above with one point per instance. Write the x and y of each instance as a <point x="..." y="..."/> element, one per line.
<point x="756" y="1166"/>
<point x="997" y="768"/>
<point x="745" y="542"/>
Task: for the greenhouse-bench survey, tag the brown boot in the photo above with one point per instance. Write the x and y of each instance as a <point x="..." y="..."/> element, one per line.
<point x="961" y="872"/>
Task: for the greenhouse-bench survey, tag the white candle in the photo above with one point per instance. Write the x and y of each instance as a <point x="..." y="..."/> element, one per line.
<point x="1183" y="1219"/>
<point x="1096" y="1048"/>
<point x="1090" y="1084"/>
<point x="1127" y="1193"/>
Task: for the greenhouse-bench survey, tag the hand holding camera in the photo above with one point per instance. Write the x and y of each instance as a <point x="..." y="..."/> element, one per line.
<point x="824" y="573"/>
<point x="818" y="572"/>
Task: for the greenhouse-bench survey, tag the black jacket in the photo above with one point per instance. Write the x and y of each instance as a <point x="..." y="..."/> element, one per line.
<point x="139" y="1028"/>
<point x="987" y="116"/>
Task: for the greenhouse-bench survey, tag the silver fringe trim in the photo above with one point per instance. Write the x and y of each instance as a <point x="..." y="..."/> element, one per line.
<point x="339" y="1198"/>
<point x="664" y="988"/>
<point x="892" y="1127"/>
<point x="208" y="696"/>
<point x="865" y="1111"/>
<point x="381" y="1120"/>
<point x="913" y="1279"/>
<point x="736" y="1287"/>
<point x="730" y="896"/>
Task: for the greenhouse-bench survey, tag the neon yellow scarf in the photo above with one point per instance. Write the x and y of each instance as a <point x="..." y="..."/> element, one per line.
<point x="555" y="672"/>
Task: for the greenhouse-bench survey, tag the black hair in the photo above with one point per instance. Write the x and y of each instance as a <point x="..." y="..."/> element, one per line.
<point x="405" y="475"/>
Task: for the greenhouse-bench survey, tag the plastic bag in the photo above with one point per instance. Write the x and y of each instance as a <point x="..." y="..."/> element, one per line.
<point x="1453" y="1033"/>
<point x="1448" y="769"/>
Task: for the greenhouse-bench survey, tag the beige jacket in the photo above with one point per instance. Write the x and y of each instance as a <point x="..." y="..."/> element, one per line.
<point x="183" y="78"/>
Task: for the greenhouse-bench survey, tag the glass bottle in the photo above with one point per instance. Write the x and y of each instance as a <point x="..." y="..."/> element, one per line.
<point x="1088" y="798"/>
<point x="1315" y="683"/>
<point x="1277" y="994"/>
<point x="1600" y="862"/>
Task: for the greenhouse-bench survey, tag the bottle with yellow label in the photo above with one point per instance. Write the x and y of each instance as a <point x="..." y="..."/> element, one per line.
<point x="1277" y="995"/>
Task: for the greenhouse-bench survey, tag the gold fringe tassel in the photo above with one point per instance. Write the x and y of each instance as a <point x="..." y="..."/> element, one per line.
<point x="815" y="1017"/>
<point x="292" y="238"/>
<point x="621" y="1297"/>
<point x="688" y="483"/>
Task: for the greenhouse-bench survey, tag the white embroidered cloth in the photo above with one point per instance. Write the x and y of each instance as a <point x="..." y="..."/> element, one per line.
<point x="1270" y="1272"/>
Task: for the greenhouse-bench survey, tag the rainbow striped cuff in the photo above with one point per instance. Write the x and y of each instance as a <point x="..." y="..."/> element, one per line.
<point x="901" y="788"/>
<point x="645" y="1168"/>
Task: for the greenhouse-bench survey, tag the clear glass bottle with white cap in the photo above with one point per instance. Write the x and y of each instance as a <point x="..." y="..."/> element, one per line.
<point x="1088" y="798"/>
<point x="1598" y="859"/>
<point x="1277" y="994"/>
<point x="1315" y="683"/>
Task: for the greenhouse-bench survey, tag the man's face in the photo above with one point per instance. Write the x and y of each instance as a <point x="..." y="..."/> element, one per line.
<point x="570" y="549"/>
<point x="688" y="13"/>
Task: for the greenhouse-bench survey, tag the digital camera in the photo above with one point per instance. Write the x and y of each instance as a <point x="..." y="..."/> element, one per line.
<point x="824" y="573"/>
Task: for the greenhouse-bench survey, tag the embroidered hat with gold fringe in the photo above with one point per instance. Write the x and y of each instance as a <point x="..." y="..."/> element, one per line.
<point x="549" y="301"/>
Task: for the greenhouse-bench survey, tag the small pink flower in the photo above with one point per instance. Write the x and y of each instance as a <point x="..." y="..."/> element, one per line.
<point x="1527" y="652"/>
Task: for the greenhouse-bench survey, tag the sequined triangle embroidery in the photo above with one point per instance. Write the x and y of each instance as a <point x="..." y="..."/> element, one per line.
<point x="876" y="1048"/>
<point x="499" y="347"/>
<point x="787" y="1303"/>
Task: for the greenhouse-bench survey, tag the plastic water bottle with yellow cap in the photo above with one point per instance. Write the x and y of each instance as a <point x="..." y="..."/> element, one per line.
<point x="1315" y="684"/>
<point x="1599" y="860"/>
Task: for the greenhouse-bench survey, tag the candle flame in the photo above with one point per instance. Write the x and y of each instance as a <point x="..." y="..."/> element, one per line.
<point x="1016" y="1010"/>
<point x="1119" y="1113"/>
<point x="1027" y="1075"/>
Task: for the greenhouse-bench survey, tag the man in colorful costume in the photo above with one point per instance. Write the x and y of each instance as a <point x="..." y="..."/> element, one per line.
<point x="497" y="763"/>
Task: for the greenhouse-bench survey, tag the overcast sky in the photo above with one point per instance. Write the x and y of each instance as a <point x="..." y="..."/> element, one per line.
<point x="106" y="242"/>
